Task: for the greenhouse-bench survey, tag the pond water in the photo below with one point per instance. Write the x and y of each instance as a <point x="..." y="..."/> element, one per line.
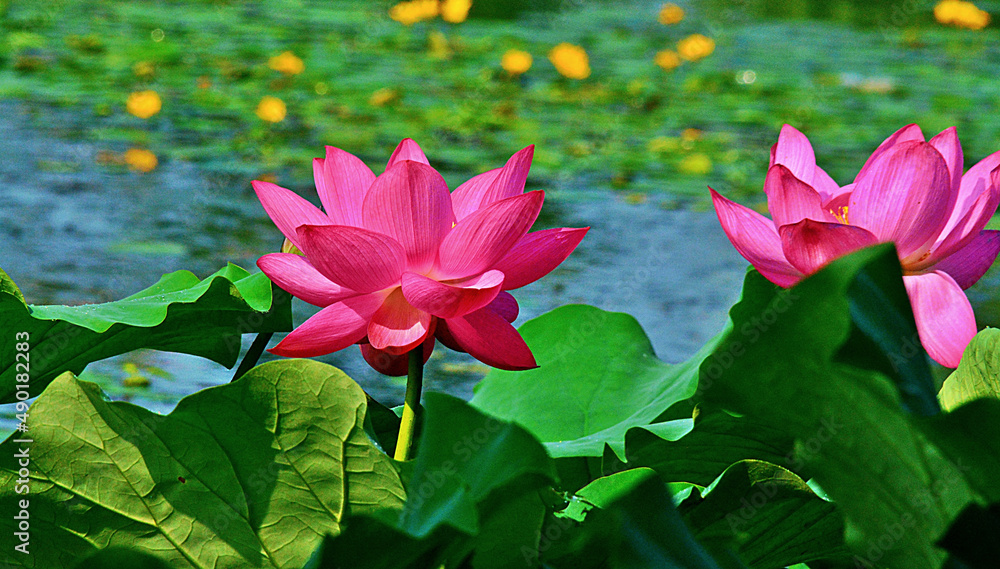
<point x="77" y="233"/>
<point x="628" y="152"/>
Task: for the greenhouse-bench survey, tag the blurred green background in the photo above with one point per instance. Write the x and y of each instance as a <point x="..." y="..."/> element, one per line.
<point x="846" y="73"/>
<point x="96" y="202"/>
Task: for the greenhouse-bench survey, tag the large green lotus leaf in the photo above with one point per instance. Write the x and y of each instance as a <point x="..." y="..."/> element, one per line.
<point x="180" y="313"/>
<point x="978" y="374"/>
<point x="369" y="542"/>
<point x="597" y="378"/>
<point x="122" y="558"/>
<point x="463" y="456"/>
<point x="884" y="336"/>
<point x="970" y="437"/>
<point x="899" y="489"/>
<point x="717" y="440"/>
<point x="637" y="527"/>
<point x="248" y="474"/>
<point x="768" y="515"/>
<point x="473" y="494"/>
<point x="608" y="489"/>
<point x="512" y="526"/>
<point x="763" y="512"/>
<point x="974" y="538"/>
<point x="509" y="538"/>
<point x="382" y="425"/>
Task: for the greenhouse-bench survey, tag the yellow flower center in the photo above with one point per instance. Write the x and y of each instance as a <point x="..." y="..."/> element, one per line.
<point x="841" y="214"/>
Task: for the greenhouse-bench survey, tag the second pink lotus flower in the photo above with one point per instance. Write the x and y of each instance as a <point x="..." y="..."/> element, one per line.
<point x="397" y="260"/>
<point x="910" y="192"/>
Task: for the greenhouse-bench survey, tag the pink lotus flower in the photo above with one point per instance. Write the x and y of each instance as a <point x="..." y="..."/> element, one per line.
<point x="910" y="192"/>
<point x="397" y="260"/>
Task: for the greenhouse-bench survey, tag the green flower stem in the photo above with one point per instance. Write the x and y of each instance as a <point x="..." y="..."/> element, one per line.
<point x="408" y="422"/>
<point x="253" y="354"/>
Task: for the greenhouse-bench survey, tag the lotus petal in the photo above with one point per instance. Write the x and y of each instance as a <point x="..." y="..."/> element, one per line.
<point x="331" y="329"/>
<point x="977" y="180"/>
<point x="410" y="203"/>
<point x="909" y="133"/>
<point x="397" y="326"/>
<point x="453" y="299"/>
<point x="407" y="149"/>
<point x="944" y="316"/>
<point x="505" y="305"/>
<point x="537" y="254"/>
<point x="809" y="245"/>
<point x="394" y="364"/>
<point x="294" y="274"/>
<point x="341" y="181"/>
<point x="356" y="258"/>
<point x="288" y="210"/>
<point x="961" y="233"/>
<point x="825" y="186"/>
<point x="467" y="197"/>
<point x="903" y="197"/>
<point x="970" y="263"/>
<point x="946" y="142"/>
<point x="508" y="182"/>
<point x="794" y="151"/>
<point x="482" y="239"/>
<point x="489" y="338"/>
<point x="791" y="200"/>
<point x="755" y="237"/>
